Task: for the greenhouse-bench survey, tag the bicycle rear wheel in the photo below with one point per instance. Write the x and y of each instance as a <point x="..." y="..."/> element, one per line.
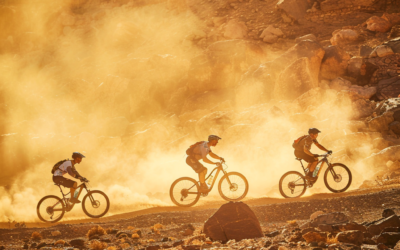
<point x="95" y="204"/>
<point x="337" y="178"/>
<point x="50" y="209"/>
<point x="184" y="192"/>
<point x="233" y="186"/>
<point x="292" y="185"/>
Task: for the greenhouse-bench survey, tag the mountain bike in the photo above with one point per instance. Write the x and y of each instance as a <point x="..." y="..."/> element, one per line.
<point x="337" y="178"/>
<point x="51" y="208"/>
<point x="233" y="186"/>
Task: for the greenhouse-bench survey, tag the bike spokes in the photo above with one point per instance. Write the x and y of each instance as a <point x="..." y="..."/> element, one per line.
<point x="292" y="185"/>
<point x="338" y="178"/>
<point x="95" y="204"/>
<point x="233" y="186"/>
<point x="184" y="192"/>
<point x="50" y="209"/>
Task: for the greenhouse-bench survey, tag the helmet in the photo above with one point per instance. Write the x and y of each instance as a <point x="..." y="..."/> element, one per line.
<point x="213" y="137"/>
<point x="77" y="155"/>
<point x="313" y="131"/>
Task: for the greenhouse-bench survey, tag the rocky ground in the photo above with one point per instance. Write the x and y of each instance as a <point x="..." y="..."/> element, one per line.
<point x="284" y="223"/>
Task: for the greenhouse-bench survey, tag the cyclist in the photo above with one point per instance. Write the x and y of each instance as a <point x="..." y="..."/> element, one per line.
<point x="69" y="167"/>
<point x="303" y="147"/>
<point x="199" y="152"/>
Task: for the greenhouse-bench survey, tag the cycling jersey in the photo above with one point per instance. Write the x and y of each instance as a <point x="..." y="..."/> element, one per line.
<point x="202" y="150"/>
<point x="64" y="168"/>
<point x="307" y="143"/>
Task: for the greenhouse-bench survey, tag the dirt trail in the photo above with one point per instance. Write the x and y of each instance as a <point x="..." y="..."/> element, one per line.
<point x="216" y="204"/>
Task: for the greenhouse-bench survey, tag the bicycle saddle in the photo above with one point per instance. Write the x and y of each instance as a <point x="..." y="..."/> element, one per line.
<point x="56" y="184"/>
<point x="298" y="159"/>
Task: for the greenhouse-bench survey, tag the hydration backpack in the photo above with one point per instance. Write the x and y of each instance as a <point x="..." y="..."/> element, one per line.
<point x="189" y="151"/>
<point x="57" y="165"/>
<point x="297" y="141"/>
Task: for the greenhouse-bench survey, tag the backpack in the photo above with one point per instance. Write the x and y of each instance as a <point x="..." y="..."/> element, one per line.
<point x="57" y="165"/>
<point x="297" y="141"/>
<point x="189" y="151"/>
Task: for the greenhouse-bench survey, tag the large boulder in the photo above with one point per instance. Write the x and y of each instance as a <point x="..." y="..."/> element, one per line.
<point x="389" y="88"/>
<point x="330" y="219"/>
<point x="353" y="237"/>
<point x="341" y="37"/>
<point x="295" y="80"/>
<point x="233" y="221"/>
<point x="361" y="108"/>
<point x="293" y="9"/>
<point x="378" y="24"/>
<point x="235" y="30"/>
<point x="271" y="34"/>
<point x="334" y="63"/>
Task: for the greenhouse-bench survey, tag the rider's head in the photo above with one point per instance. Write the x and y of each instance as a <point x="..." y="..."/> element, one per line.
<point x="313" y="132"/>
<point x="213" y="140"/>
<point x="77" y="157"/>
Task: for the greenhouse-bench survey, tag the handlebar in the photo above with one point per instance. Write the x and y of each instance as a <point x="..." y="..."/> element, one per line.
<point x="324" y="155"/>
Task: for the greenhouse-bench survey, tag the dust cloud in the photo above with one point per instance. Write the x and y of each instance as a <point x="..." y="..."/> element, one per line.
<point x="98" y="79"/>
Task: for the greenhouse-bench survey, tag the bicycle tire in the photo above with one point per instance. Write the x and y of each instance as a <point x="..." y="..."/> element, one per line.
<point x="194" y="183"/>
<point x="281" y="183"/>
<point x="84" y="202"/>
<point x="241" y="196"/>
<point x="42" y="200"/>
<point x="327" y="182"/>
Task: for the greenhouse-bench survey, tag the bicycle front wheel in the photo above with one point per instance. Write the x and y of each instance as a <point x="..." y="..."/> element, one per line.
<point x="337" y="178"/>
<point x="184" y="192"/>
<point x="95" y="204"/>
<point x="233" y="186"/>
<point x="50" y="209"/>
<point x="292" y="185"/>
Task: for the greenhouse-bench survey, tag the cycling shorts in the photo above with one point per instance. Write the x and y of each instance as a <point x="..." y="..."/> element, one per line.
<point x="195" y="164"/>
<point x="63" y="181"/>
<point x="302" y="155"/>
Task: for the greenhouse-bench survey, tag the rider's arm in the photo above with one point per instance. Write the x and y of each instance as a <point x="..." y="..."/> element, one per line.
<point x="205" y="159"/>
<point x="71" y="172"/>
<point x="215" y="156"/>
<point x="321" y="147"/>
<point x="307" y="151"/>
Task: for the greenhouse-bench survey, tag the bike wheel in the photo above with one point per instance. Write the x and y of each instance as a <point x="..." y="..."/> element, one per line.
<point x="233" y="186"/>
<point x="337" y="178"/>
<point x="184" y="192"/>
<point x="50" y="209"/>
<point x="292" y="185"/>
<point x="95" y="204"/>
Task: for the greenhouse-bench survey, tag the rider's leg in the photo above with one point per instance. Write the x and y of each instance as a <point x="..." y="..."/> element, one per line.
<point x="73" y="198"/>
<point x="312" y="165"/>
<point x="202" y="176"/>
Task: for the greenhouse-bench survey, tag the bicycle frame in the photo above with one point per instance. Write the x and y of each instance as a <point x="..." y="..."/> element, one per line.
<point x="323" y="160"/>
<point x="219" y="169"/>
<point x="69" y="206"/>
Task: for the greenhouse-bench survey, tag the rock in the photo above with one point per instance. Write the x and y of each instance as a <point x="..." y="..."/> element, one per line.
<point x="308" y="229"/>
<point x="233" y="220"/>
<point x="391" y="221"/>
<point x="394" y="44"/>
<point x="311" y="37"/>
<point x="380" y="143"/>
<point x="325" y="228"/>
<point x="315" y="236"/>
<point x="378" y="24"/>
<point x="381" y="51"/>
<point x="381" y="123"/>
<point x="315" y="215"/>
<point x="355" y="65"/>
<point x="374" y="229"/>
<point x="218" y="21"/>
<point x="273" y="234"/>
<point x="334" y="63"/>
<point x="395" y="127"/>
<point x="357" y="92"/>
<point x="391" y="153"/>
<point x="394" y="32"/>
<point x="313" y="97"/>
<point x="340" y="84"/>
<point x="330" y="219"/>
<point x="388" y="212"/>
<point x="352" y="226"/>
<point x="295" y="80"/>
<point x="353" y="237"/>
<point x="235" y="30"/>
<point x="393" y="18"/>
<point x="78" y="242"/>
<point x="388" y="88"/>
<point x="341" y="37"/>
<point x="293" y="9"/>
<point x="389" y="239"/>
<point x="269" y="38"/>
<point x="365" y="51"/>
<point x="272" y="30"/>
